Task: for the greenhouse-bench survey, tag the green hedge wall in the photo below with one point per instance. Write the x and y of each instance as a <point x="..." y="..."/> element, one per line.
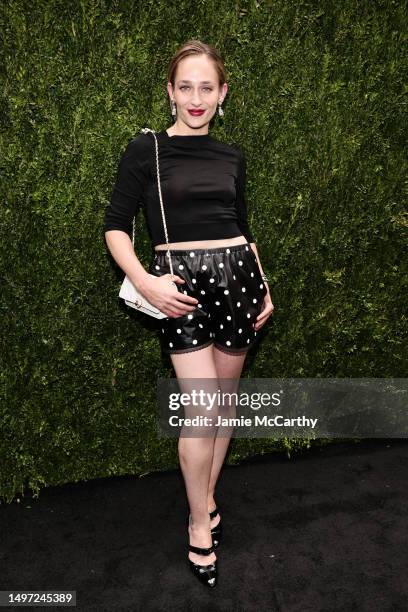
<point x="317" y="100"/>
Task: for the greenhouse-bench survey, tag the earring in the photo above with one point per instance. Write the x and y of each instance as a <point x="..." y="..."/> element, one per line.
<point x="173" y="109"/>
<point x="220" y="111"/>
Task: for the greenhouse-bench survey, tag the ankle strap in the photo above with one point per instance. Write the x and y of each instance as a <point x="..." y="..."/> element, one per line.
<point x="201" y="551"/>
<point x="214" y="513"/>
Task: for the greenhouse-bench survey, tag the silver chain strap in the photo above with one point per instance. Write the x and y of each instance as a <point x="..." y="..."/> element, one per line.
<point x="145" y="131"/>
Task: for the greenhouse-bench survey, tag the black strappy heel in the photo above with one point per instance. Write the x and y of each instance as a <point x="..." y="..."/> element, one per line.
<point x="207" y="574"/>
<point x="216" y="532"/>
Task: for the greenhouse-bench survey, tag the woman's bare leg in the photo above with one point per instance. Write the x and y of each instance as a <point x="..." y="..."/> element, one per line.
<point x="228" y="367"/>
<point x="196" y="454"/>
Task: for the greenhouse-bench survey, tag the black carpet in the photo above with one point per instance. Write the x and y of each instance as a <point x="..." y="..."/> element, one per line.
<point x="325" y="530"/>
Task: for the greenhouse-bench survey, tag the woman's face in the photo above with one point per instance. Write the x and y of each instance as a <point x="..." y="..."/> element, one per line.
<point x="196" y="88"/>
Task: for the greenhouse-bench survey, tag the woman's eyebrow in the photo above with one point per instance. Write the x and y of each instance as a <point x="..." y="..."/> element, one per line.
<point x="202" y="82"/>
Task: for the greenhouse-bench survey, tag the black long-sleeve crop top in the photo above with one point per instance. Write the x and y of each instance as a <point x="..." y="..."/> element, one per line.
<point x="202" y="183"/>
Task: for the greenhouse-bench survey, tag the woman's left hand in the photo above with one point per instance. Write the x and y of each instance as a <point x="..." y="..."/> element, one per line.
<point x="266" y="312"/>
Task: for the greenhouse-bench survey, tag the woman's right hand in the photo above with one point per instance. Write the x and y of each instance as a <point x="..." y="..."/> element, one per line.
<point x="161" y="293"/>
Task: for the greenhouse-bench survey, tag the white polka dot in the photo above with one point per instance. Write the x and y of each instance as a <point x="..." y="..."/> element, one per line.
<point x="261" y="286"/>
<point x="254" y="333"/>
<point x="179" y="331"/>
<point x="252" y="274"/>
<point x="157" y="267"/>
<point x="248" y="341"/>
<point x="249" y="315"/>
<point x="199" y="306"/>
<point x="211" y="280"/>
<point x="228" y="251"/>
<point x="221" y="326"/>
<point x="240" y="263"/>
<point x="228" y="343"/>
<point x="240" y="331"/>
<point x="254" y="300"/>
<point x="170" y="344"/>
<point x="243" y="289"/>
<point x="191" y="253"/>
<point x="217" y="303"/>
<point x="246" y="248"/>
<point x="238" y="304"/>
<point x="194" y="341"/>
<point x="204" y="267"/>
<point x="221" y="265"/>
<point x="200" y="325"/>
<point x="202" y="292"/>
<point x="193" y="280"/>
<point x="234" y="277"/>
<point x="190" y="316"/>
<point x="226" y="292"/>
<point x="163" y="330"/>
<point x="181" y="267"/>
<point x="229" y="318"/>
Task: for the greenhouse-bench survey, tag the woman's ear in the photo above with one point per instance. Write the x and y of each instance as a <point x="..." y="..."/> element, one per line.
<point x="170" y="90"/>
<point x="223" y="91"/>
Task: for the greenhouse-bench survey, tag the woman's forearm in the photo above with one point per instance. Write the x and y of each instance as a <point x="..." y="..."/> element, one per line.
<point x="123" y="253"/>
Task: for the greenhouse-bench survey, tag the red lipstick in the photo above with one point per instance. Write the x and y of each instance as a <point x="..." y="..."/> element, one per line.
<point x="195" y="112"/>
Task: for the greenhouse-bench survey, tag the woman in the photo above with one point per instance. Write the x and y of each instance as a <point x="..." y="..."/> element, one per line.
<point x="222" y="297"/>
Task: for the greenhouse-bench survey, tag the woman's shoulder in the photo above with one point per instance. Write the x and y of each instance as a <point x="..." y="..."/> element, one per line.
<point x="229" y="146"/>
<point x="137" y="151"/>
<point x="140" y="143"/>
<point x="237" y="146"/>
<point x="237" y="150"/>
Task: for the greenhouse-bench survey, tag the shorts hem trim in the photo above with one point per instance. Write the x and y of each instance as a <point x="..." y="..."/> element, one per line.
<point x="234" y="351"/>
<point x="187" y="350"/>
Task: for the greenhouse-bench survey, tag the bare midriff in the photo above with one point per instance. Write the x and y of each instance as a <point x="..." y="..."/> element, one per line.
<point x="202" y="244"/>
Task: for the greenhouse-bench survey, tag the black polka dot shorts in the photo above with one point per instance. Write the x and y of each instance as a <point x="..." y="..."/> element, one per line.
<point x="230" y="291"/>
